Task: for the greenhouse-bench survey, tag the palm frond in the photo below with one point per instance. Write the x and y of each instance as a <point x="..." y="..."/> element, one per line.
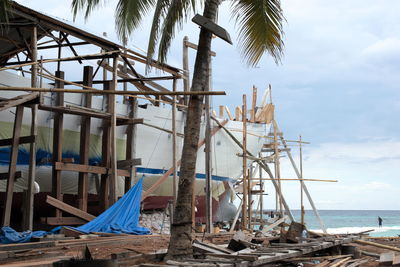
<point x="87" y="5"/>
<point x="260" y="29"/>
<point x="159" y="13"/>
<point x="129" y="14"/>
<point x="176" y="15"/>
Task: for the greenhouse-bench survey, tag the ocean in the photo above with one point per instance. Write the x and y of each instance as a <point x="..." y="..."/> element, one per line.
<point x="354" y="221"/>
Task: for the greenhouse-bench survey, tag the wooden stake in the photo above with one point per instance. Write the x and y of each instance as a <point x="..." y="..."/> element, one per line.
<point x="221" y="112"/>
<point x="12" y="165"/>
<point x="229" y="113"/>
<point x="244" y="149"/>
<point x="238" y="112"/>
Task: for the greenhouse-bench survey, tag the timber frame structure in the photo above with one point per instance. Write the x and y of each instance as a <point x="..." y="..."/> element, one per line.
<point x="28" y="32"/>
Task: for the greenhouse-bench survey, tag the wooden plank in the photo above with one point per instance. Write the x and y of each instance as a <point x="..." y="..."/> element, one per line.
<point x="5" y="175"/>
<point x="234" y="256"/>
<point x="12" y="165"/>
<point x="85" y="142"/>
<point x="396" y="261"/>
<point x="221" y="112"/>
<point x="169" y="172"/>
<point x="363" y="242"/>
<point x="27" y="246"/>
<point x="386" y="259"/>
<point x="57" y="142"/>
<point x="238" y="112"/>
<point x="128" y="163"/>
<point x="63" y="221"/>
<point x="22" y="140"/>
<point x="68" y="208"/>
<point x="88" y="169"/>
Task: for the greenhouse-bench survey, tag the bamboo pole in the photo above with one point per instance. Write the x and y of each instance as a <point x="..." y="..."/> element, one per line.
<point x="58" y="59"/>
<point x="304" y="186"/>
<point x="244" y="149"/>
<point x="301" y="184"/>
<point x="369" y="243"/>
<point x="108" y="92"/>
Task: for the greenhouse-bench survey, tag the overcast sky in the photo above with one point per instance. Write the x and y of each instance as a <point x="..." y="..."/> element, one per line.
<point x="337" y="86"/>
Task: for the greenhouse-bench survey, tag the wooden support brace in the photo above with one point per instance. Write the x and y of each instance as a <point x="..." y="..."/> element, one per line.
<point x="12" y="166"/>
<point x="69" y="209"/>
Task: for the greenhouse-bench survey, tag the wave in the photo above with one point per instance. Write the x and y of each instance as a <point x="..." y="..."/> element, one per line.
<point x="353" y="230"/>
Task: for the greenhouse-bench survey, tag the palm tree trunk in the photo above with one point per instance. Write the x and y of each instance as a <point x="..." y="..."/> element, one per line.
<point x="181" y="229"/>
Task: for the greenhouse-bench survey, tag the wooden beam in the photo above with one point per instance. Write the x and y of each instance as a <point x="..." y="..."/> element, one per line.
<point x="58" y="204"/>
<point x="83" y="187"/>
<point x="130" y="152"/>
<point x="5" y="175"/>
<point x="18" y="100"/>
<point x="21" y="140"/>
<point x="128" y="163"/>
<point x="63" y="221"/>
<point x="178" y="163"/>
<point x="61" y="166"/>
<point x="194" y="46"/>
<point x="229" y="113"/>
<point x="244" y="170"/>
<point x="12" y="166"/>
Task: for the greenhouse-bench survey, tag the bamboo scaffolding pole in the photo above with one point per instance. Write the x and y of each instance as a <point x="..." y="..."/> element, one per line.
<point x="301" y="184"/>
<point x="108" y="92"/>
<point x="58" y="59"/>
<point x="244" y="149"/>
<point x="296" y="179"/>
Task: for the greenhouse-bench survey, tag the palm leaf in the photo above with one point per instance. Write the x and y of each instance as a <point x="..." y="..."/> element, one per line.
<point x="129" y="14"/>
<point x="88" y="5"/>
<point x="177" y="14"/>
<point x="260" y="29"/>
<point x="159" y="13"/>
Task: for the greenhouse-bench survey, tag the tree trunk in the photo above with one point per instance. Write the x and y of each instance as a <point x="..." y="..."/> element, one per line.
<point x="181" y="229"/>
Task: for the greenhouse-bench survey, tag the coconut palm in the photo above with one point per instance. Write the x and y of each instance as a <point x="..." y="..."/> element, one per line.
<point x="260" y="31"/>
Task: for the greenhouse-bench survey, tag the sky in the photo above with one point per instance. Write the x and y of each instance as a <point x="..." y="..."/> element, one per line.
<point x="337" y="86"/>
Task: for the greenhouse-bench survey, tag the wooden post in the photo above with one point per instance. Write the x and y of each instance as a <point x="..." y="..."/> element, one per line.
<point x="28" y="209"/>
<point x="301" y="184"/>
<point x="208" y="167"/>
<point x="131" y="142"/>
<point x="174" y="177"/>
<point x="57" y="141"/>
<point x="13" y="165"/>
<point x="237" y="113"/>
<point x="28" y="215"/>
<point x="244" y="149"/>
<point x="105" y="154"/>
<point x="83" y="187"/>
<point x="253" y="105"/>
<point x="113" y="177"/>
<point x="185" y="66"/>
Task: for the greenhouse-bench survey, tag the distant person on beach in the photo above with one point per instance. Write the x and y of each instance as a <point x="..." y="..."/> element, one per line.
<point x="380" y="221"/>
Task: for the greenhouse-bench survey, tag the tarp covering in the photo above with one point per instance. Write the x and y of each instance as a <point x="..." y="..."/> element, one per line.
<point x="122" y="217"/>
<point x="9" y="235"/>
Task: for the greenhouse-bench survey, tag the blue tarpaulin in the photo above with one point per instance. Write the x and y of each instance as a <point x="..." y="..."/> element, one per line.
<point x="9" y="235"/>
<point x="122" y="217"/>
